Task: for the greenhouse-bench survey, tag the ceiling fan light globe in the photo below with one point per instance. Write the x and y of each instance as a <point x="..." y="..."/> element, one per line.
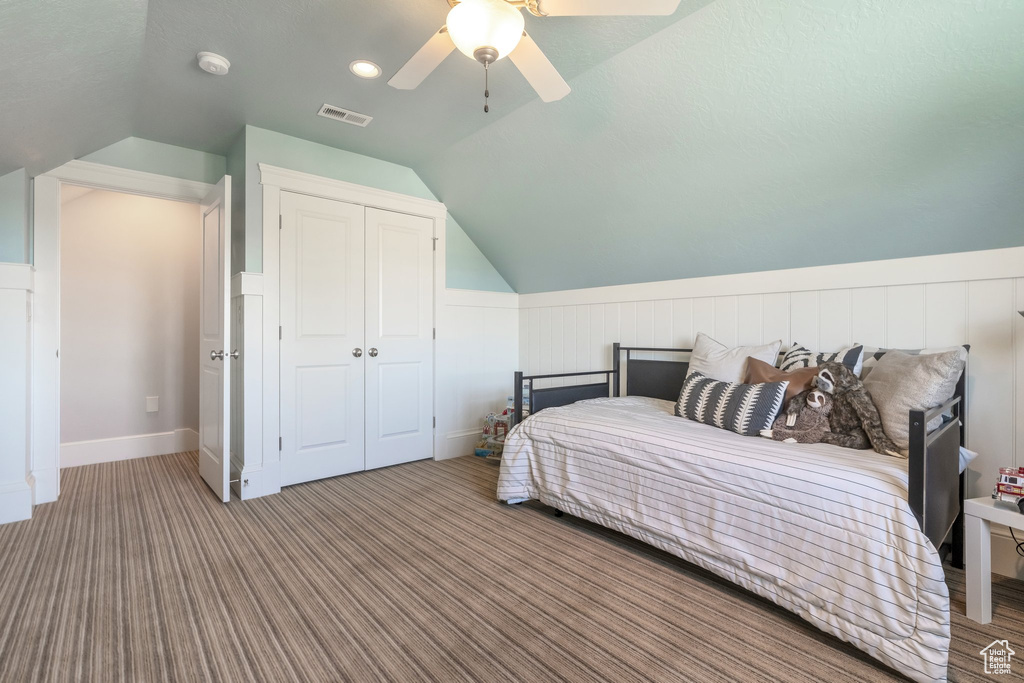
<point x="475" y="24"/>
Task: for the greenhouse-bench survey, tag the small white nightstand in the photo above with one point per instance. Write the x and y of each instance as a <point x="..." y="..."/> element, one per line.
<point x="979" y="515"/>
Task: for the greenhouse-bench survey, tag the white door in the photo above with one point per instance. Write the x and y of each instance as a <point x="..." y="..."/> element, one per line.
<point x="322" y="350"/>
<point x="399" y="338"/>
<point x="215" y="334"/>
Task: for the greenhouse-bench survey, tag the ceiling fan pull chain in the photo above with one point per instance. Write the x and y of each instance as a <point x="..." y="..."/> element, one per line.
<point x="487" y="88"/>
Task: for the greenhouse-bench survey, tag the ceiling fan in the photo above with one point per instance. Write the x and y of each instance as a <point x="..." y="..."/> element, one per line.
<point x="489" y="30"/>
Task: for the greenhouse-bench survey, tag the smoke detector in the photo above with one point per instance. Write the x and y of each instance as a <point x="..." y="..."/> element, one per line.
<point x="213" y="63"/>
<point x="329" y="111"/>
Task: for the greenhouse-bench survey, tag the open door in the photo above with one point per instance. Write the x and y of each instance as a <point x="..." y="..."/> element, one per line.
<point x="214" y="335"/>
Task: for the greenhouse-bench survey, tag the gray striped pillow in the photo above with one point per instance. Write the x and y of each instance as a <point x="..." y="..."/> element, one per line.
<point x="742" y="408"/>
<point x="802" y="357"/>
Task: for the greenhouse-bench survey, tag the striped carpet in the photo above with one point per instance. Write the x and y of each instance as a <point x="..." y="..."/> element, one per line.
<point x="409" y="573"/>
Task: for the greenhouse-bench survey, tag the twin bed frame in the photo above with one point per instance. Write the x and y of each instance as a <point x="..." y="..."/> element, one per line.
<point x="935" y="484"/>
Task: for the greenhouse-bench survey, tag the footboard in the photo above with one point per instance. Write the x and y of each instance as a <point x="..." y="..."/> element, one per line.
<point x="552" y="397"/>
<point x="935" y="485"/>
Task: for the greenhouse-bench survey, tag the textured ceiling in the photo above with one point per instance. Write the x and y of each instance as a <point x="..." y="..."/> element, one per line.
<point x="734" y="135"/>
<point x="288" y="58"/>
<point x="68" y="71"/>
<point x="78" y="76"/>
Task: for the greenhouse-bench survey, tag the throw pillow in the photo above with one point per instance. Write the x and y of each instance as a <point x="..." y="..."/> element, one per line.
<point x="742" y="408"/>
<point x="873" y="354"/>
<point x="718" y="361"/>
<point x="901" y="382"/>
<point x="802" y="357"/>
<point x="759" y="372"/>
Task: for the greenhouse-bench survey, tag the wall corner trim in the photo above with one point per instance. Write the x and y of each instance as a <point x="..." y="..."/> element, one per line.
<point x="989" y="264"/>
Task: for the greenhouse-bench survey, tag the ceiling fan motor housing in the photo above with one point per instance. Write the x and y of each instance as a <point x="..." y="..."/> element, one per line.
<point x="486" y="55"/>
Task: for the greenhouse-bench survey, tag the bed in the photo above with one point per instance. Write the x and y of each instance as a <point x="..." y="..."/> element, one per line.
<point x="848" y="540"/>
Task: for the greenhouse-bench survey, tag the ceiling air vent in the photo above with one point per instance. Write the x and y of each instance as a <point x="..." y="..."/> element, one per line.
<point x="344" y="115"/>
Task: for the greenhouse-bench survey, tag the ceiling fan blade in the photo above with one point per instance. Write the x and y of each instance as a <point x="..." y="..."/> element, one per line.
<point x="423" y="62"/>
<point x="622" y="8"/>
<point x="538" y="70"/>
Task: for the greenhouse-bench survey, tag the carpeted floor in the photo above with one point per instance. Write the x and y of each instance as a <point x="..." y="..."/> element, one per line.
<point x="408" y="573"/>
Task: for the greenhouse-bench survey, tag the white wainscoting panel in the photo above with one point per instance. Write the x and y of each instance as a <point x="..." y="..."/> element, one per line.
<point x="15" y="312"/>
<point x="476" y="352"/>
<point x="883" y="309"/>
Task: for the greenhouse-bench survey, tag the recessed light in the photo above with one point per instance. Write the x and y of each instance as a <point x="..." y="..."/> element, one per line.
<point x="213" y="63"/>
<point x="364" y="69"/>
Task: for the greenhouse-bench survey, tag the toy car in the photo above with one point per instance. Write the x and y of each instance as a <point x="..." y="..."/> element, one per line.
<point x="1010" y="488"/>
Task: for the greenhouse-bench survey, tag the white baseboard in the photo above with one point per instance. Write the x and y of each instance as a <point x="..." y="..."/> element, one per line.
<point x="45" y="484"/>
<point x="458" y="444"/>
<point x="15" y="502"/>
<point x="77" y="453"/>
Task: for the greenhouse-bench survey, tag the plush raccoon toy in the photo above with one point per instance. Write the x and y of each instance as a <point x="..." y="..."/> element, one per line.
<point x="854" y="421"/>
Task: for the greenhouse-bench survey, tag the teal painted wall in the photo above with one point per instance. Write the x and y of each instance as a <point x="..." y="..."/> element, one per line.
<point x="236" y="169"/>
<point x="14" y="208"/>
<point x="156" y="157"/>
<point x="757" y="135"/>
<point x="467" y="268"/>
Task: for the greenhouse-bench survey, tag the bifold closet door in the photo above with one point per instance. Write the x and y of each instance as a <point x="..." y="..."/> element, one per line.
<point x="399" y="338"/>
<point x="322" y="335"/>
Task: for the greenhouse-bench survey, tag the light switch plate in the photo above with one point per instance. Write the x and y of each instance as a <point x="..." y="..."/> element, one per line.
<point x="152" y="404"/>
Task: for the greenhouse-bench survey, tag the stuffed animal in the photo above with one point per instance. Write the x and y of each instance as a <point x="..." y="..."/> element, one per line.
<point x="854" y="421"/>
<point x="805" y="419"/>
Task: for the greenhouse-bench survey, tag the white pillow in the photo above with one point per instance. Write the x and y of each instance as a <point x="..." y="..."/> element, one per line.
<point x="718" y="361"/>
<point x="901" y="382"/>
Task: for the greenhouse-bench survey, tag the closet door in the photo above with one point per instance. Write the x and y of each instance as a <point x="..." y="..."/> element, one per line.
<point x="322" y="333"/>
<point x="399" y="338"/>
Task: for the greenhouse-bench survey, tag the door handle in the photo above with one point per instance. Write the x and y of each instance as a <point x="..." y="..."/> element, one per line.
<point x="217" y="355"/>
<point x="373" y="353"/>
<point x="234" y="354"/>
<point x="357" y="352"/>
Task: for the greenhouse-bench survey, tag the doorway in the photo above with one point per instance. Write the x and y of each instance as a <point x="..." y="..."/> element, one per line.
<point x="214" y="215"/>
<point x="129" y="325"/>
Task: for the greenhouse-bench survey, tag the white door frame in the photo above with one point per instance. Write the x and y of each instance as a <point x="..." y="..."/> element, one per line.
<point x="275" y="180"/>
<point x="44" y="436"/>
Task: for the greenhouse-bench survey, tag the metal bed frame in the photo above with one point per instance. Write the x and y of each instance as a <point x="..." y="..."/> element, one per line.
<point x="935" y="484"/>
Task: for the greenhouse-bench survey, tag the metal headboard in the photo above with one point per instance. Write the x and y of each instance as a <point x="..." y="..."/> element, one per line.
<point x="652" y="378"/>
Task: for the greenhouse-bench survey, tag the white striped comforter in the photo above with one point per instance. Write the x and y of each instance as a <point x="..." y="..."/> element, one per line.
<point x="823" y="531"/>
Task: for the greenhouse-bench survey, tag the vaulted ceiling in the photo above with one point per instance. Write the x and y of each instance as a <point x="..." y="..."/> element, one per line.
<point x="77" y="76"/>
<point x="734" y="135"/>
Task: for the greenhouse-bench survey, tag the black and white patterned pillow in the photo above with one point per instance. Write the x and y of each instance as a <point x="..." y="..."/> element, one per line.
<point x="802" y="357"/>
<point x="742" y="408"/>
